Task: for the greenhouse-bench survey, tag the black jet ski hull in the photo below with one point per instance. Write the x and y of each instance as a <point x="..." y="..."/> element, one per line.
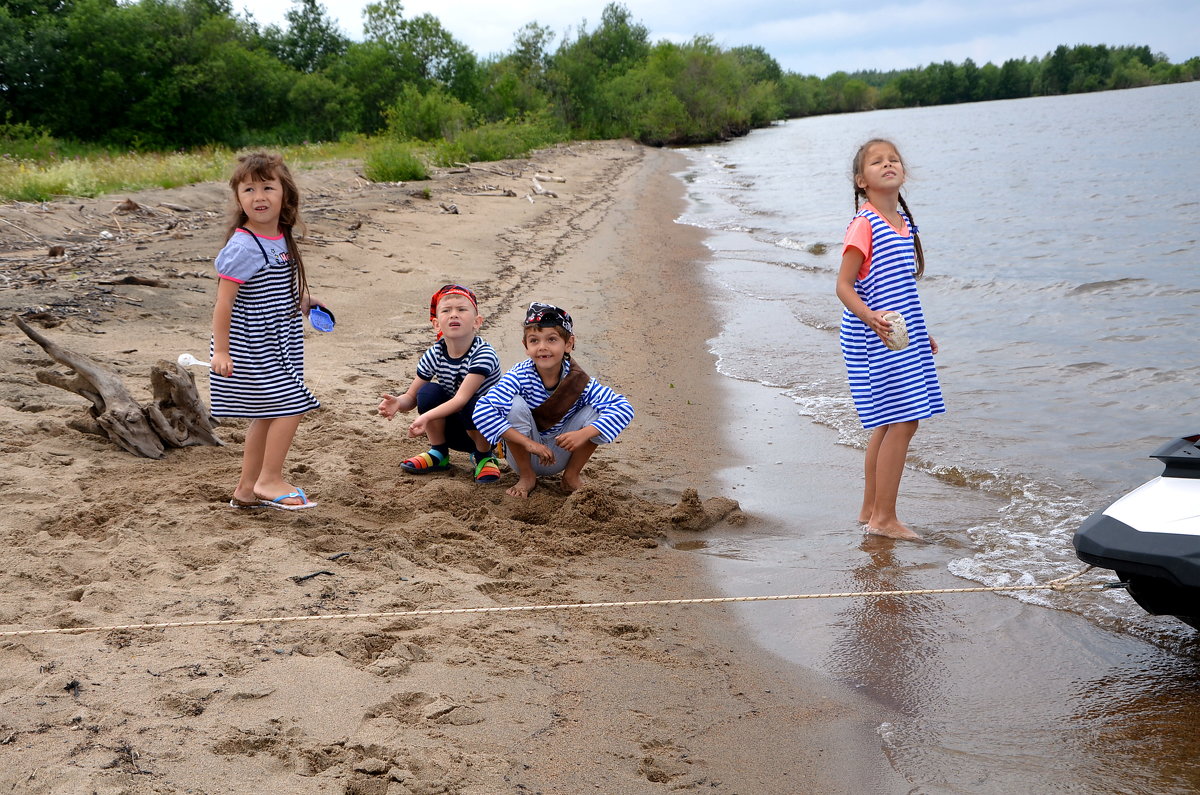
<point x="1151" y="536"/>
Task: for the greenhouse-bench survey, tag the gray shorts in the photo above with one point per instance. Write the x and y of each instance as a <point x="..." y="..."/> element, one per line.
<point x="520" y="416"/>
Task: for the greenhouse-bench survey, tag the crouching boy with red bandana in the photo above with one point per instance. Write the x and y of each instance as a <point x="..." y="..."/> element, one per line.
<point x="451" y="377"/>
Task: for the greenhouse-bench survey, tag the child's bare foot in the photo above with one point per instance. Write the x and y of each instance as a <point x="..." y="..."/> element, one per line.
<point x="894" y="530"/>
<point x="244" y="499"/>
<point x="522" y="488"/>
<point x="572" y="481"/>
<point x="282" y="493"/>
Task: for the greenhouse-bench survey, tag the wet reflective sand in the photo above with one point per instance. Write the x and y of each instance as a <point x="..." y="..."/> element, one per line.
<point x="978" y="693"/>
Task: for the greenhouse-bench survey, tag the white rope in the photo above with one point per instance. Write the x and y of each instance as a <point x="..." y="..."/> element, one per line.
<point x="1054" y="585"/>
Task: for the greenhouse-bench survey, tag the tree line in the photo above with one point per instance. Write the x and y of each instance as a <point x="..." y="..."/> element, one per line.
<point x="168" y="74"/>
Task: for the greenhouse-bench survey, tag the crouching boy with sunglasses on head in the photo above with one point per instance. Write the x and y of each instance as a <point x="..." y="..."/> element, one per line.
<point x="549" y="412"/>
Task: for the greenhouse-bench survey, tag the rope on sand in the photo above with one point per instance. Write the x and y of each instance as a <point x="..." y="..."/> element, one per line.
<point x="1060" y="584"/>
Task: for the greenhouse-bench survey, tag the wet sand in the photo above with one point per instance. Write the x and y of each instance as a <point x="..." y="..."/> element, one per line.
<point x="624" y="700"/>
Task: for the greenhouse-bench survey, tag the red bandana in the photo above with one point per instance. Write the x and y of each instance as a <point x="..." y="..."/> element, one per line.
<point x="450" y="289"/>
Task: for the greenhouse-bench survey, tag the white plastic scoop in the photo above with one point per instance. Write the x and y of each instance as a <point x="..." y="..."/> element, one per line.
<point x="187" y="360"/>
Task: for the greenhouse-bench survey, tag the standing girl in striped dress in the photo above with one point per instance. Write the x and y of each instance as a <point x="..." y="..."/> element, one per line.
<point x="257" y="346"/>
<point x="893" y="390"/>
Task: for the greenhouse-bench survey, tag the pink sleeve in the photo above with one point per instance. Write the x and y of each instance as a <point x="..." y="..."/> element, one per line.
<point x="858" y="235"/>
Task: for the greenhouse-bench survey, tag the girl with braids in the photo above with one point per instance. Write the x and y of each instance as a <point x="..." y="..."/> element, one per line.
<point x="257" y="346"/>
<point x="893" y="390"/>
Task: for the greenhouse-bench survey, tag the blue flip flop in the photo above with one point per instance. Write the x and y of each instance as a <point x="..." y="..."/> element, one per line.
<point x="279" y="505"/>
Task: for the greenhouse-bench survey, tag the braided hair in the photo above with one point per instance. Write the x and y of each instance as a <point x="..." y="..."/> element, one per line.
<point x="861" y="193"/>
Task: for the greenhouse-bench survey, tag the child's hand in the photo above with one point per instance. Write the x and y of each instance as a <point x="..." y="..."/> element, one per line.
<point x="222" y="364"/>
<point x="418" y="427"/>
<point x="571" y="440"/>
<point x="933" y="346"/>
<point x="392" y="404"/>
<point x="876" y="323"/>
<point x="544" y="454"/>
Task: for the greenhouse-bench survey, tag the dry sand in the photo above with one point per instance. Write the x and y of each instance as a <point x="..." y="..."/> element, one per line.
<point x="626" y="700"/>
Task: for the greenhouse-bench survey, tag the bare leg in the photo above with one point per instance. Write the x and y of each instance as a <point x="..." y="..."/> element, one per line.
<point x="481" y="445"/>
<point x="869" y="471"/>
<point x="252" y="458"/>
<point x="889" y="469"/>
<point x="571" y="478"/>
<point x="526" y="479"/>
<point x="435" y="429"/>
<point x="277" y="433"/>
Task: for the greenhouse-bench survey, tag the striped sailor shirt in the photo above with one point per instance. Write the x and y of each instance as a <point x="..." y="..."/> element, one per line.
<point x="491" y="412"/>
<point x="436" y="364"/>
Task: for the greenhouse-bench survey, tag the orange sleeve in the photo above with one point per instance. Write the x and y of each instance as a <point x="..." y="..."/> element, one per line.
<point x="858" y="235"/>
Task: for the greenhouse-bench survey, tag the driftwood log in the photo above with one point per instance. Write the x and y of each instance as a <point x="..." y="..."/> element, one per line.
<point x="538" y="190"/>
<point x="176" y="418"/>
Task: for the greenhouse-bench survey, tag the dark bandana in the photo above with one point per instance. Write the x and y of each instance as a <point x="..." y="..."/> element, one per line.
<point x="548" y="316"/>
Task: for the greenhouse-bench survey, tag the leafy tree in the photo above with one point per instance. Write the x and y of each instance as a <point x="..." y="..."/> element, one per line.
<point x="691" y="92"/>
<point x="1015" y="80"/>
<point x="1055" y="75"/>
<point x="426" y="51"/>
<point x="531" y="50"/>
<point x="320" y="109"/>
<point x="312" y="40"/>
<point x="581" y="68"/>
<point x="758" y="63"/>
<point x="375" y="76"/>
<point x="799" y="95"/>
<point x="514" y="84"/>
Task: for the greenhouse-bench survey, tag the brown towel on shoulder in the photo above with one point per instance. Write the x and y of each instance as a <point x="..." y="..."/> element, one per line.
<point x="569" y="389"/>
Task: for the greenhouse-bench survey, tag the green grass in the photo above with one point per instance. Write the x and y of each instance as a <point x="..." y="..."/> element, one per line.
<point x="35" y="167"/>
<point x="42" y="172"/>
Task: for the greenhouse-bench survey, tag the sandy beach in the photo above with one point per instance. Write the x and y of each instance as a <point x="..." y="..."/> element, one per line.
<point x="615" y="700"/>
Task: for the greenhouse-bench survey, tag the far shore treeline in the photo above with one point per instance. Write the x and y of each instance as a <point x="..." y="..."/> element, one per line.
<point x="109" y="76"/>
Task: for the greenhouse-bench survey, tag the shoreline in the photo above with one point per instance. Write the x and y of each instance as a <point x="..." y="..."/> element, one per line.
<point x="631" y="701"/>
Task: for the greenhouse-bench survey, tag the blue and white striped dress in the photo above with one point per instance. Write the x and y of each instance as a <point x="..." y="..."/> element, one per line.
<point x="266" y="333"/>
<point x="890" y="386"/>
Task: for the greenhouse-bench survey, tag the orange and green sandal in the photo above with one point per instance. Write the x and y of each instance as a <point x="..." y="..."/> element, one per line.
<point x="487" y="469"/>
<point x="423" y="464"/>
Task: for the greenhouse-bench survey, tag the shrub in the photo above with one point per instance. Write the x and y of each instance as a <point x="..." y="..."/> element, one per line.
<point x="394" y="162"/>
<point x="499" y="141"/>
<point x="427" y="117"/>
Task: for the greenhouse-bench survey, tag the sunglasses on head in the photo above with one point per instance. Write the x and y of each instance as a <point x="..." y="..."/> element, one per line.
<point x="547" y="315"/>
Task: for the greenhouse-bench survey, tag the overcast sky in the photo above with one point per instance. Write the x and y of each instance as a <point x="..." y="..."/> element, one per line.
<point x="821" y="36"/>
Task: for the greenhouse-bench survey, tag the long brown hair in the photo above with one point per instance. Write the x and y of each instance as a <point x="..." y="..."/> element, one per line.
<point x="263" y="166"/>
<point x="861" y="193"/>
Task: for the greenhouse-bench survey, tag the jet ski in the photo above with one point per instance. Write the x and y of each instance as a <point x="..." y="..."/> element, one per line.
<point x="1151" y="536"/>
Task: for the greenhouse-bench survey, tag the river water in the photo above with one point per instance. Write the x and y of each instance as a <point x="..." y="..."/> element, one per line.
<point x="1062" y="284"/>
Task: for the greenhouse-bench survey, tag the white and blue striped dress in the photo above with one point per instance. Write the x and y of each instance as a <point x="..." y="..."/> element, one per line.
<point x="890" y="386"/>
<point x="266" y="333"/>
